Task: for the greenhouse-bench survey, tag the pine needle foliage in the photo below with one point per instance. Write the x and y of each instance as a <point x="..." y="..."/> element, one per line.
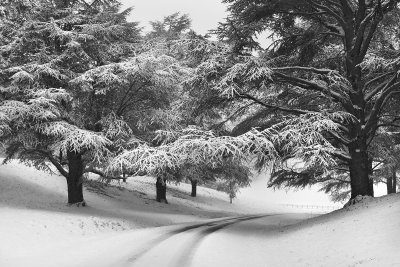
<point x="323" y="56"/>
<point x="57" y="60"/>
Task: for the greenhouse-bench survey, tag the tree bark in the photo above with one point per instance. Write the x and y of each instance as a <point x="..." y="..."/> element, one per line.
<point x="389" y="184"/>
<point x="194" y="188"/>
<point x="360" y="169"/>
<point x="75" y="178"/>
<point x="161" y="190"/>
<point x="392" y="186"/>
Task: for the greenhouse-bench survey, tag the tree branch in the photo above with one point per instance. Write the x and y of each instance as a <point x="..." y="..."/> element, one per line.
<point x="339" y="138"/>
<point x="315" y="70"/>
<point x="331" y="12"/>
<point x="101" y="173"/>
<point x="275" y="107"/>
<point x="377" y="89"/>
<point x="315" y="87"/>
<point x="341" y="155"/>
<point x="377" y="18"/>
<point x="380" y="102"/>
<point x="54" y="161"/>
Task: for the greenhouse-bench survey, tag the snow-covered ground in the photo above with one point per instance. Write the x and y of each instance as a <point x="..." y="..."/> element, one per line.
<point x="37" y="228"/>
<point x="366" y="234"/>
<point x="34" y="215"/>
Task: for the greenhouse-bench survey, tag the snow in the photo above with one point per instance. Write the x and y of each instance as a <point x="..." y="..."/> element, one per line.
<point x="365" y="234"/>
<point x="35" y="217"/>
<point x="37" y="228"/>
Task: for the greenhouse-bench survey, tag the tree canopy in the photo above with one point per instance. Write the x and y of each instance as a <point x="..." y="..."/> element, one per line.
<point x="83" y="90"/>
<point x="76" y="86"/>
<point x="325" y="56"/>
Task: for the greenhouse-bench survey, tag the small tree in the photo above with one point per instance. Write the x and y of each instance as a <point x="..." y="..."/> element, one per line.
<point x="231" y="176"/>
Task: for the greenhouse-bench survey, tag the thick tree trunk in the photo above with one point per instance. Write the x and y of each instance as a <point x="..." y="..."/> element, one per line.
<point x="389" y="185"/>
<point x="161" y="190"/>
<point x="75" y="178"/>
<point x="360" y="169"/>
<point x="391" y="182"/>
<point x="194" y="188"/>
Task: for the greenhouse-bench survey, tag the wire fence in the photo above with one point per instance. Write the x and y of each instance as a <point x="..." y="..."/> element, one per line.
<point x="312" y="207"/>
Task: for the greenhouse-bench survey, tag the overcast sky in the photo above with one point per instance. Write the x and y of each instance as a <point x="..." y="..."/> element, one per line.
<point x="205" y="14"/>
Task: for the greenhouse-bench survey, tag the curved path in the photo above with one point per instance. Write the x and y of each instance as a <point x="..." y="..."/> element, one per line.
<point x="233" y="241"/>
<point x="178" y="247"/>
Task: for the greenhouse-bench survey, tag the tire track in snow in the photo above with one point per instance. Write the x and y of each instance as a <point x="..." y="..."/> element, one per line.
<point x="186" y="255"/>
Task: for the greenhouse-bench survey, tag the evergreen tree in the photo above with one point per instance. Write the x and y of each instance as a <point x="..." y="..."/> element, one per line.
<point x="207" y="144"/>
<point x="171" y="27"/>
<point x="325" y="56"/>
<point x="48" y="116"/>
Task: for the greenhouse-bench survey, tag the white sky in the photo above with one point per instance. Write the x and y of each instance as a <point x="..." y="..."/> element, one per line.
<point x="205" y="14"/>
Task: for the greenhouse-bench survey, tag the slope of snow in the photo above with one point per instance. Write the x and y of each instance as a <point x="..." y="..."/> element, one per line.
<point x="37" y="228"/>
<point x="366" y="234"/>
<point x="34" y="215"/>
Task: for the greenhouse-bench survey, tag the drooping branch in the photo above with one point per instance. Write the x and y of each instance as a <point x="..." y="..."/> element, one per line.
<point x="341" y="155"/>
<point x="380" y="102"/>
<point x="102" y="174"/>
<point x="238" y="111"/>
<point x="339" y="138"/>
<point x="300" y="68"/>
<point x="274" y="107"/>
<point x="53" y="160"/>
<point x="309" y="85"/>
<point x="391" y="123"/>
<point x="377" y="88"/>
<point x="317" y="5"/>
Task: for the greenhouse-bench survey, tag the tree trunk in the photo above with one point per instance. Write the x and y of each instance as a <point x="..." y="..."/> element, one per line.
<point x="161" y="190"/>
<point x="389" y="184"/>
<point x="194" y="188"/>
<point x="360" y="168"/>
<point x="74" y="180"/>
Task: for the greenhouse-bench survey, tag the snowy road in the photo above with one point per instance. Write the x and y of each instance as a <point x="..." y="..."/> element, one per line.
<point x="233" y="241"/>
<point x="195" y="245"/>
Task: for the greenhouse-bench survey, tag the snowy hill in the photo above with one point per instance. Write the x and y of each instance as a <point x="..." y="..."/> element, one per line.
<point x="33" y="209"/>
<point x="34" y="214"/>
<point x="366" y="234"/>
<point x="36" y="221"/>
